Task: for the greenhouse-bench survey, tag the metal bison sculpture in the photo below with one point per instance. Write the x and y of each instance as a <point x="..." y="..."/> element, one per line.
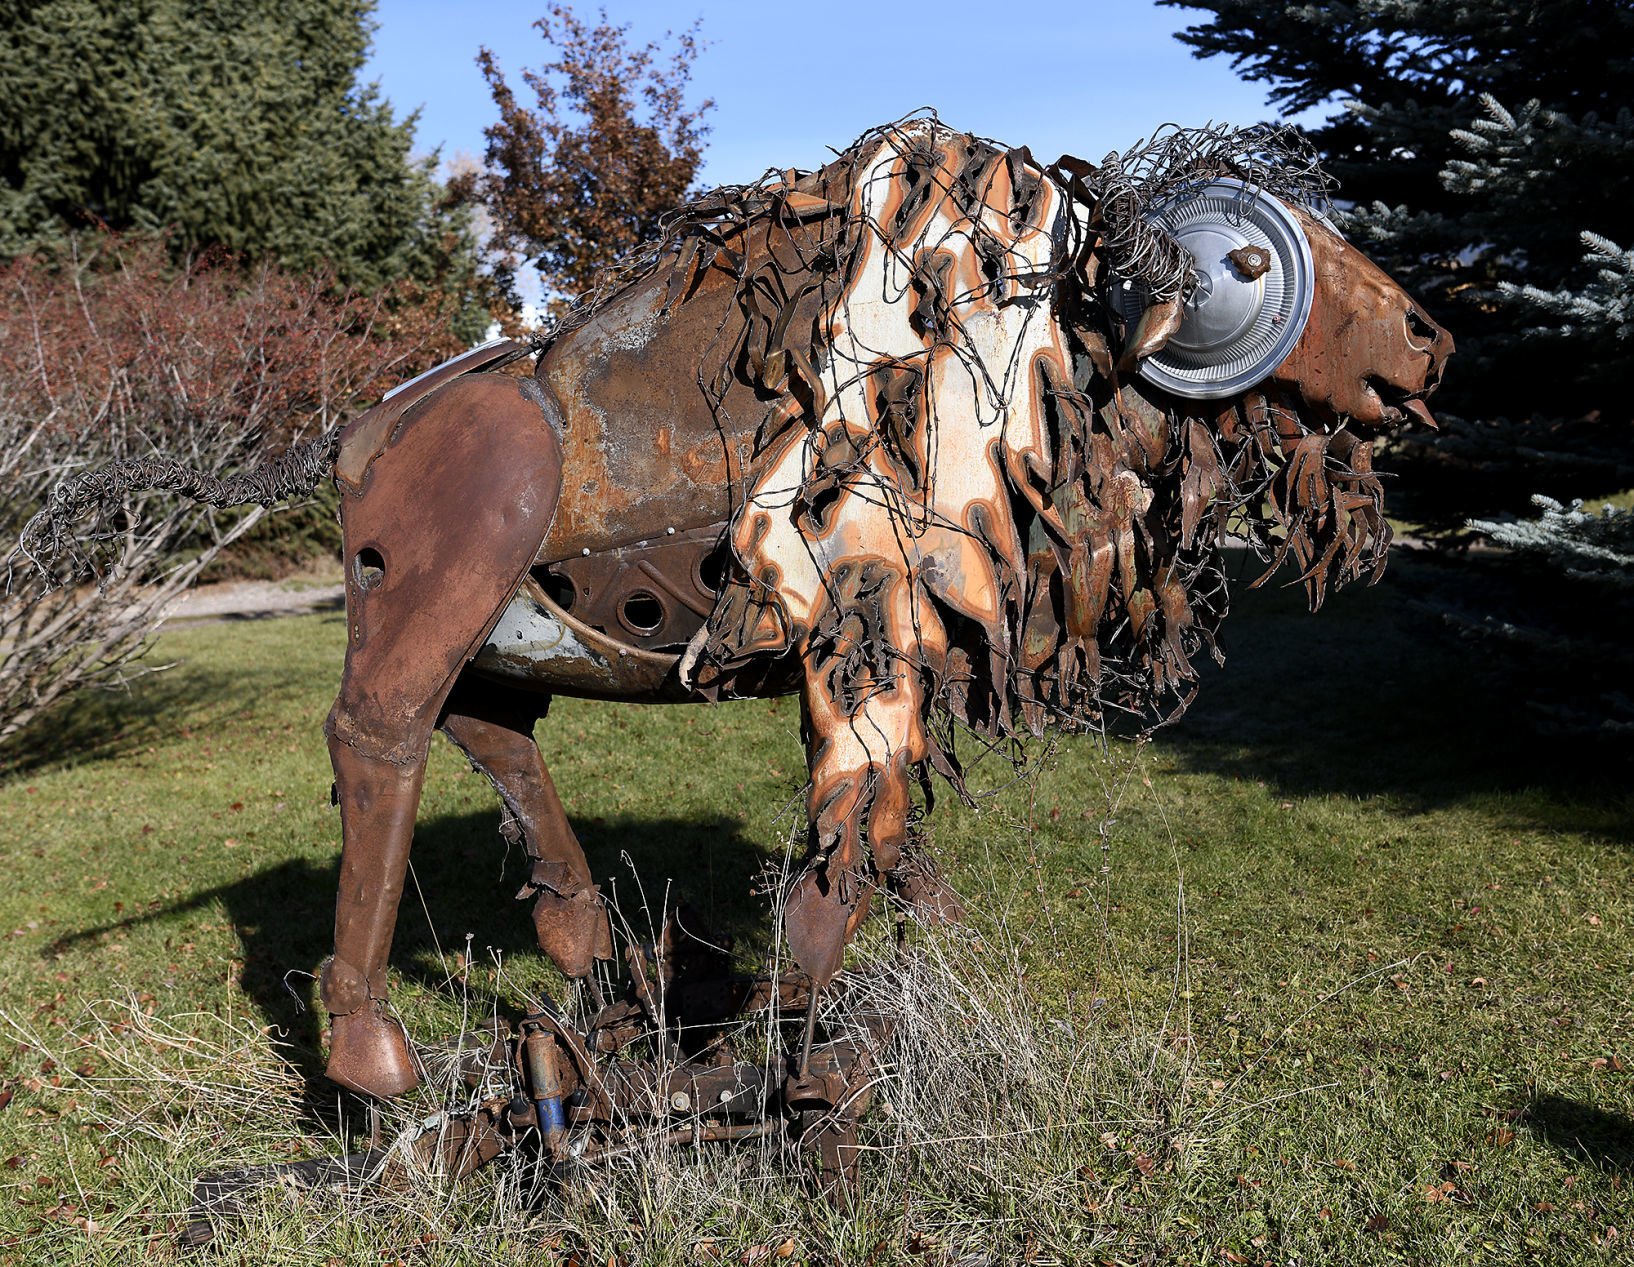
<point x="940" y="439"/>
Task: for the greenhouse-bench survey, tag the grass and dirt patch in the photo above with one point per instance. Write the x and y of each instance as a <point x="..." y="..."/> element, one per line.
<point x="1339" y="969"/>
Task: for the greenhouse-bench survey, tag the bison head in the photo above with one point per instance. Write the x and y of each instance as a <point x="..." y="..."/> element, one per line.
<point x="1251" y="304"/>
<point x="1244" y="291"/>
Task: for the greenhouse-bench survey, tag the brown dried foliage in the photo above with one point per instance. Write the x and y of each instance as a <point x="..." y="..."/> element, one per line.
<point x="581" y="179"/>
<point x="111" y="353"/>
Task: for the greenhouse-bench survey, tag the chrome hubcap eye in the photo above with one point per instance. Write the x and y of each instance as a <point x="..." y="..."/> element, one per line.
<point x="1251" y="290"/>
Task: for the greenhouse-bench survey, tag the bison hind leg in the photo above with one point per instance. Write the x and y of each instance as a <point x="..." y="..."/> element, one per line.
<point x="438" y="530"/>
<point x="493" y="727"/>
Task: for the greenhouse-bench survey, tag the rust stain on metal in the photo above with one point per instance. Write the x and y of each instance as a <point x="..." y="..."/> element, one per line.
<point x="1253" y="262"/>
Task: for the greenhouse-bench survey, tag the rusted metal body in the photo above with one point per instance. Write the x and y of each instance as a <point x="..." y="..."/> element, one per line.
<point x="862" y="434"/>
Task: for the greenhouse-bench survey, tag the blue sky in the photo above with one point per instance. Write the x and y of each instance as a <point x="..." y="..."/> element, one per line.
<point x="790" y="79"/>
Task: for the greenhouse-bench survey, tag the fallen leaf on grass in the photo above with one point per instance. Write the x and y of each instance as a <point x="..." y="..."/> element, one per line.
<point x="762" y="1253"/>
<point x="1378" y="1223"/>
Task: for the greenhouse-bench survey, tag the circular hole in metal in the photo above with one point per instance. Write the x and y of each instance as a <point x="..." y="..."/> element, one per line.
<point x="559" y="589"/>
<point x="641" y="613"/>
<point x="710" y="573"/>
<point x="369" y="567"/>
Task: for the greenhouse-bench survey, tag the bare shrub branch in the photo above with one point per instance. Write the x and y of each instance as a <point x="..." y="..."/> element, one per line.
<point x="115" y="355"/>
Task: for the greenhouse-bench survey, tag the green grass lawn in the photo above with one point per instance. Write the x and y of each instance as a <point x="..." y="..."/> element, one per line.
<point x="1345" y="963"/>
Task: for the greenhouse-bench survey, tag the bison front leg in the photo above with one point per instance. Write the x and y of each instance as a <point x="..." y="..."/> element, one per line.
<point x="493" y="726"/>
<point x="858" y="810"/>
<point x="438" y="529"/>
<point x="863" y="715"/>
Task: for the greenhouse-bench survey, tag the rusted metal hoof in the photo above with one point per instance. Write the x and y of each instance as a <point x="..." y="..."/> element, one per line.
<point x="834" y="1136"/>
<point x="369" y="1053"/>
<point x="571" y="922"/>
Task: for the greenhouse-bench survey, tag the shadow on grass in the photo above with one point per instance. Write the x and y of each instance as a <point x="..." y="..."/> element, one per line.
<point x="161" y="699"/>
<point x="1361" y="699"/>
<point x="105" y="724"/>
<point x="1602" y="1139"/>
<point x="284" y="914"/>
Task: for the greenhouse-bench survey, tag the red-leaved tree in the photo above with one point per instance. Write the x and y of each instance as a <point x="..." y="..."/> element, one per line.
<point x="578" y="180"/>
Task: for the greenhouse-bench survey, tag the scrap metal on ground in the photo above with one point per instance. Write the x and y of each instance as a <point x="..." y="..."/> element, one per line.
<point x="939" y="438"/>
<point x="679" y="1059"/>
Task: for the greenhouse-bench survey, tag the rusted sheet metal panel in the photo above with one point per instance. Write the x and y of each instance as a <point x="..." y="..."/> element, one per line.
<point x="536" y="645"/>
<point x="659" y="416"/>
<point x="366" y="436"/>
<point x="652" y="594"/>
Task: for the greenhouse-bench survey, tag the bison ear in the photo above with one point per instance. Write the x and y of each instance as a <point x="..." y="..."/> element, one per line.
<point x="1150" y="333"/>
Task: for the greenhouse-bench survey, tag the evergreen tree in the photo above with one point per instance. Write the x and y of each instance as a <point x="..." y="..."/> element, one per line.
<point x="225" y="123"/>
<point x="1485" y="152"/>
